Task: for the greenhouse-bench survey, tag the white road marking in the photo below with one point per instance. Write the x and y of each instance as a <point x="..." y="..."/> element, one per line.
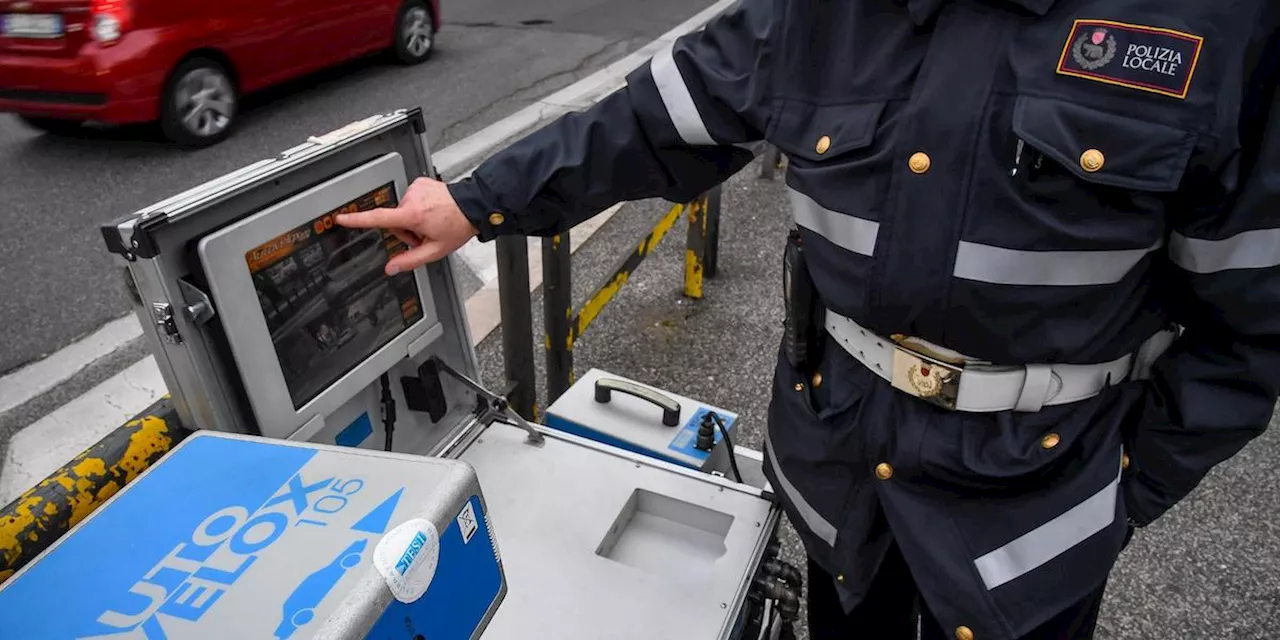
<point x="46" y="445"/>
<point x="36" y="378"/>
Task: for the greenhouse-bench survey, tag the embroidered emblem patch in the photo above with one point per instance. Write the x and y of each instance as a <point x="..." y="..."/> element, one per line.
<point x="1129" y="55"/>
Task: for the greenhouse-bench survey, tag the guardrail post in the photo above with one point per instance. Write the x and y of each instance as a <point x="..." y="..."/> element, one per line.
<point x="771" y="162"/>
<point x="557" y="304"/>
<point x="712" y="261"/>
<point x="702" y="246"/>
<point x="42" y="514"/>
<point x="517" y="324"/>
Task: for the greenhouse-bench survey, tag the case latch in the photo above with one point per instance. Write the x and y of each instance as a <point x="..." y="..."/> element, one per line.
<point x="162" y="314"/>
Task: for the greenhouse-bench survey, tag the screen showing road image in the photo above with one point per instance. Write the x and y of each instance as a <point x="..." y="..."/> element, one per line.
<point x="327" y="302"/>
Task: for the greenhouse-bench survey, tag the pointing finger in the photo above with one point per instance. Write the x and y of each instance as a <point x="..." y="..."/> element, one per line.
<point x="428" y="251"/>
<point x="410" y="238"/>
<point x="376" y="219"/>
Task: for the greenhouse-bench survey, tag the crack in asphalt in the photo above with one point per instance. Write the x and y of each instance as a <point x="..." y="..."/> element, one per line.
<point x="515" y="94"/>
<point x="129" y="381"/>
<point x="534" y="25"/>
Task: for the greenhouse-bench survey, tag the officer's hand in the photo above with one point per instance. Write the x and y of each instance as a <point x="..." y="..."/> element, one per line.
<point x="428" y="220"/>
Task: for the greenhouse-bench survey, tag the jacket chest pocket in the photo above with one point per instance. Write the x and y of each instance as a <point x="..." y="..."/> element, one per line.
<point x="835" y="154"/>
<point x="1093" y="175"/>
<point x="1102" y="148"/>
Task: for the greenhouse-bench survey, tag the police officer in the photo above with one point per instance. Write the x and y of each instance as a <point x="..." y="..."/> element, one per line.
<point x="1005" y="207"/>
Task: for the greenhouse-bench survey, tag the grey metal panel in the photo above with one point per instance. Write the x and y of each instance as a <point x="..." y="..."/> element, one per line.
<point x="553" y="507"/>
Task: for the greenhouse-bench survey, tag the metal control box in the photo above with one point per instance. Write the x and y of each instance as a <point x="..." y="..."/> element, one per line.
<point x="240" y="537"/>
<point x="641" y="418"/>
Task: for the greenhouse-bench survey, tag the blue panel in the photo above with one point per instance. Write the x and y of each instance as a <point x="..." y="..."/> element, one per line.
<point x="466" y="585"/>
<point x="582" y="431"/>
<point x="356" y="432"/>
<point x="93" y="571"/>
<point x="687" y="437"/>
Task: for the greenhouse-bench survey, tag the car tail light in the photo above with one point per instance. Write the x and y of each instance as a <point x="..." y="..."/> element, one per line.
<point x="110" y="19"/>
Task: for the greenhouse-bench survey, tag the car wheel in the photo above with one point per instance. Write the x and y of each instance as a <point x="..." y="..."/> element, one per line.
<point x="301" y="618"/>
<point x="55" y="126"/>
<point x="200" y="104"/>
<point x="415" y="33"/>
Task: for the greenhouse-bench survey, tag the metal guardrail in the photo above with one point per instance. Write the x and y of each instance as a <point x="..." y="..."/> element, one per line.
<point x="37" y="518"/>
<point x="563" y="325"/>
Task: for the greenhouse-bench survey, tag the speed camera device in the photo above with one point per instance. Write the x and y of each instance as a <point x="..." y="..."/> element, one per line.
<point x="276" y="329"/>
<point x="324" y="320"/>
<point x="268" y="318"/>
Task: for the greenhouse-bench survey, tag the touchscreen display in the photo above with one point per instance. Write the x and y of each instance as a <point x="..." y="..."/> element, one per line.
<point x="327" y="302"/>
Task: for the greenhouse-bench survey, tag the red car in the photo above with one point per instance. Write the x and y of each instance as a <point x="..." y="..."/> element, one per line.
<point x="185" y="63"/>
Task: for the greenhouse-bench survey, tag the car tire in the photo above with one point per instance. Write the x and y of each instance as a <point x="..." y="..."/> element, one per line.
<point x="55" y="126"/>
<point x="200" y="104"/>
<point x="415" y="32"/>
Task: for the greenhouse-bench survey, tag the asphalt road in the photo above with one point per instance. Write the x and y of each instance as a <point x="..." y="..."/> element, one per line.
<point x="493" y="57"/>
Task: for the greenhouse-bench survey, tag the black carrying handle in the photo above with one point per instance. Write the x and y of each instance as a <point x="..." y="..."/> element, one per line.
<point x="670" y="408"/>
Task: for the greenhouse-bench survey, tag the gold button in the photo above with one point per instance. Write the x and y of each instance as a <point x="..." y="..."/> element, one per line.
<point x="1092" y="160"/>
<point x="884" y="471"/>
<point x="1050" y="441"/>
<point x="919" y="162"/>
<point x="1124" y="461"/>
<point x="817" y="380"/>
<point x="496" y="219"/>
<point x="840" y="578"/>
<point x="964" y="633"/>
<point x="824" y="143"/>
<point x="799" y="386"/>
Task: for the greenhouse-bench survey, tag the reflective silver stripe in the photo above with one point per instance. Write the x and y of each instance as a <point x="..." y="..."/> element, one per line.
<point x="854" y="234"/>
<point x="812" y="519"/>
<point x="675" y="95"/>
<point x="1248" y="250"/>
<point x="997" y="265"/>
<point x="1050" y="539"/>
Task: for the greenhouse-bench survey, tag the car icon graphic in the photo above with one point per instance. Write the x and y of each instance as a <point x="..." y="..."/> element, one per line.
<point x="300" y="606"/>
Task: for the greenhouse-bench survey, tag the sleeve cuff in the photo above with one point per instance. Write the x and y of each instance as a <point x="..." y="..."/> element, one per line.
<point x="481" y="209"/>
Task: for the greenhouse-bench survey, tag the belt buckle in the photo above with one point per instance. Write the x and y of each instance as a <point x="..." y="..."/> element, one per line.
<point x="927" y="378"/>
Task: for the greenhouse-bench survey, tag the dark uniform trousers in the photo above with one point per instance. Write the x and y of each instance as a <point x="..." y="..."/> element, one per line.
<point x="1035" y="188"/>
<point x="892" y="609"/>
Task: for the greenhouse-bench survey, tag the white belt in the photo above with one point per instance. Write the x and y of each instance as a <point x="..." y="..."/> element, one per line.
<point x="976" y="387"/>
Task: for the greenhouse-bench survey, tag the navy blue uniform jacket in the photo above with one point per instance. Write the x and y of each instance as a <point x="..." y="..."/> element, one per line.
<point x="1021" y="181"/>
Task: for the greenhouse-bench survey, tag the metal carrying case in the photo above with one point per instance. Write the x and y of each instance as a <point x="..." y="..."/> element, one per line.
<point x="247" y="292"/>
<point x="188" y="327"/>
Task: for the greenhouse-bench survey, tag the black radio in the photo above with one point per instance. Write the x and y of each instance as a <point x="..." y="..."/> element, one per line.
<point x="802" y="325"/>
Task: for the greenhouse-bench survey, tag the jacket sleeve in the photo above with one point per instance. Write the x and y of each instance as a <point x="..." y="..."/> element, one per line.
<point x="670" y="132"/>
<point x="1215" y="389"/>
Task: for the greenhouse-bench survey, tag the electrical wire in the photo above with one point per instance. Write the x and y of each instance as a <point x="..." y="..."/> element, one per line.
<point x="388" y="409"/>
<point x="733" y="457"/>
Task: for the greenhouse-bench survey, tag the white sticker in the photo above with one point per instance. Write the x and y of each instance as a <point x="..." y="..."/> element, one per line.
<point x="407" y="557"/>
<point x="467" y="523"/>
